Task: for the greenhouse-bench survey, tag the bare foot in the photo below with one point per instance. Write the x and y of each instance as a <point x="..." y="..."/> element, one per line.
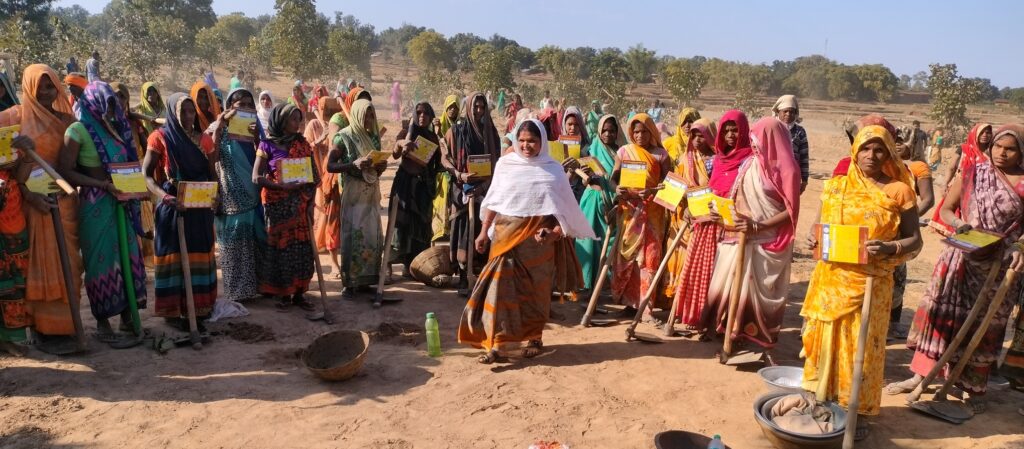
<point x="488" y="357"/>
<point x="532" y="349"/>
<point x="903" y="387"/>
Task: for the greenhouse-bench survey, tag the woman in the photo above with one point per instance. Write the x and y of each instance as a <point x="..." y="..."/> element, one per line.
<point x="512" y="112"/>
<point x="574" y="127"/>
<point x="178" y="151"/>
<point x="732" y="153"/>
<point x="207" y="106"/>
<point x="694" y="166"/>
<point x="298" y="99"/>
<point x="14" y="316"/>
<point x="989" y="199"/>
<point x="642" y="221"/>
<point x="8" y="98"/>
<point x="239" y="224"/>
<point x="439" y="223"/>
<point x="766" y="193"/>
<point x="877" y="194"/>
<point x="355" y="94"/>
<point x="676" y="144"/>
<point x="413" y="188"/>
<point x="325" y="214"/>
<point x="286" y="207"/>
<point x="102" y="136"/>
<point x="500" y="103"/>
<point x="263" y="108"/>
<point x="362" y="239"/>
<point x="44" y="116"/>
<point x="528" y="212"/>
<point x="151" y="105"/>
<point x="973" y="151"/>
<point x="319" y="91"/>
<point x="396" y="102"/>
<point x="599" y="197"/>
<point x="139" y="135"/>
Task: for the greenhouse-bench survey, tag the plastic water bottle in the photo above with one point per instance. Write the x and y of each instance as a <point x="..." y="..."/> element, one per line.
<point x="433" y="336"/>
<point x="716" y="443"/>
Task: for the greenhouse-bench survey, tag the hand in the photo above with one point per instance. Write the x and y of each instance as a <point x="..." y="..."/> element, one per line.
<point x="880" y="248"/>
<point x="961" y="226"/>
<point x="169" y="201"/>
<point x="255" y="131"/>
<point x="437" y="123"/>
<point x="481" y="241"/>
<point x="743" y="224"/>
<point x="110" y="188"/>
<point x="363" y="163"/>
<point x="624" y="192"/>
<point x="589" y="171"/>
<point x="381" y="167"/>
<point x="1016" y="260"/>
<point x="811" y="242"/>
<point x="24" y="143"/>
<point x="39" y="202"/>
<point x="570" y="164"/>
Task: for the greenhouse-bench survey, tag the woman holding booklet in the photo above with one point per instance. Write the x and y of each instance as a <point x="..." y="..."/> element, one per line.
<point x="877" y="196"/>
<point x="599" y="197"/>
<point x="989" y="200"/>
<point x="415" y="186"/>
<point x="101" y="139"/>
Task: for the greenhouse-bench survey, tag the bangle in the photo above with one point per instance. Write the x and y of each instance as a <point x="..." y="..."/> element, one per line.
<point x="899" y="248"/>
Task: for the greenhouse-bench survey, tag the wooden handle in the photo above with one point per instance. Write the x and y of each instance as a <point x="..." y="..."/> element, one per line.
<point x="186" y="269"/>
<point x="858" y="365"/>
<point x="731" y="319"/>
<point x="57" y="178"/>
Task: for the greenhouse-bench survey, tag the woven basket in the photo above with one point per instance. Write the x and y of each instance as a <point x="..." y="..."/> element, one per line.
<point x="432" y="262"/>
<point x="337" y="355"/>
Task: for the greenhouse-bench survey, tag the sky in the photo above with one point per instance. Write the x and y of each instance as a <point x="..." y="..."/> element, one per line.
<point x="905" y="35"/>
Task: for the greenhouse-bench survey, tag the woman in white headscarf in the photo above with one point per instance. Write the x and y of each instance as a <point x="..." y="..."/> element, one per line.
<point x="530" y="218"/>
<point x="263" y="107"/>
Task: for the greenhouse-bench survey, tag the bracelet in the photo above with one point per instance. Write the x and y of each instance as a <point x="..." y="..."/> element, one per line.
<point x="899" y="248"/>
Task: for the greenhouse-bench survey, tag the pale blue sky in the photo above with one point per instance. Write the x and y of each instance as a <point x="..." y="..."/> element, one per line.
<point x="904" y="35"/>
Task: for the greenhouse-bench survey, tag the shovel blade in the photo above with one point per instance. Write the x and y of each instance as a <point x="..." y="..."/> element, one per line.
<point x="949" y="411"/>
<point x="744" y="357"/>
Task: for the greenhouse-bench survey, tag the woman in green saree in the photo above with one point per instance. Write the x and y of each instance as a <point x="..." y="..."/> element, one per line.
<point x="599" y="196"/>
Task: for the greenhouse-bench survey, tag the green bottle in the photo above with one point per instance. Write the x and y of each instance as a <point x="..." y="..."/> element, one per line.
<point x="433" y="336"/>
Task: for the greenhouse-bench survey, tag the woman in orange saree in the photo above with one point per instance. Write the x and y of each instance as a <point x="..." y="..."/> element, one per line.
<point x="326" y="213"/>
<point x="44" y="116"/>
<point x="877" y="194"/>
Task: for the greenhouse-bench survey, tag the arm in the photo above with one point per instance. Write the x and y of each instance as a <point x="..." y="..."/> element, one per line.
<point x="950" y="171"/>
<point x="259" y="173"/>
<point x="67" y="162"/>
<point x="951" y="203"/>
<point x="909" y="239"/>
<point x="150" y="164"/>
<point x="335" y="163"/>
<point x="487" y="217"/>
<point x="446" y="156"/>
<point x="804" y="151"/>
<point x="926" y="196"/>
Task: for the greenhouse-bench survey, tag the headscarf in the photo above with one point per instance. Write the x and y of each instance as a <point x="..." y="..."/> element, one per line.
<point x="320" y="91"/>
<point x="549" y="116"/>
<point x="263" y="112"/>
<point x="152" y="110"/>
<point x="580" y="124"/>
<point x="690" y="164"/>
<point x="351" y="98"/>
<point x="10" y="97"/>
<point x="415" y="130"/>
<point x="326" y="108"/>
<point x="276" y="131"/>
<point x="37" y="122"/>
<point x="535" y="186"/>
<point x="92" y="110"/>
<point x="446" y="123"/>
<point x="484" y="132"/>
<point x="184" y="157"/>
<point x="202" y="88"/>
<point x="773" y="147"/>
<point x="76" y="79"/>
<point x="645" y="154"/>
<point x="248" y="148"/>
<point x="1013" y="130"/>
<point x="603" y="153"/>
<point x="727" y="166"/>
<point x="365" y="139"/>
<point x="340" y="119"/>
<point x="677" y="144"/>
<point x="648" y="123"/>
<point x="971" y="151"/>
<point x="785" y="102"/>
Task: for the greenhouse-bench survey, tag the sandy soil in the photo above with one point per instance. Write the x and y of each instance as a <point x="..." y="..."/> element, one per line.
<point x="590" y="389"/>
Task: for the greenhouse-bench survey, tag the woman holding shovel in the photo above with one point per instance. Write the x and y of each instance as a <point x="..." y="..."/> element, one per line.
<point x="766" y="192"/>
<point x="876" y="194"/>
<point x="103" y="135"/>
<point x="179" y="150"/>
<point x="988" y="196"/>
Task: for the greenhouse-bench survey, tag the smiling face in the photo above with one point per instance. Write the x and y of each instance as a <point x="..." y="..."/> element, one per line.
<point x="46" y="92"/>
<point x="609" y="133"/>
<point x="1006" y="153"/>
<point x="572" y="126"/>
<point x="871" y="157"/>
<point x="641" y="135"/>
<point x="529" y="141"/>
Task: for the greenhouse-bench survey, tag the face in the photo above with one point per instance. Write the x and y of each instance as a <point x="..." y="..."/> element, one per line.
<point x="686" y="126"/>
<point x="294" y="123"/>
<point x="730" y="132"/>
<point x="917" y="126"/>
<point x="698" y="140"/>
<point x="370" y="119"/>
<point x="187" y="114"/>
<point x="46" y="92"/>
<point x="152" y="96"/>
<point x="609" y="133"/>
<point x="1006" y="153"/>
<point x="422" y="118"/>
<point x="985" y="137"/>
<point x="529" y="144"/>
<point x="123" y="100"/>
<point x="479" y="107"/>
<point x="788" y="115"/>
<point x="243" y="100"/>
<point x="297" y="91"/>
<point x="452" y="112"/>
<point x="76" y="91"/>
<point x="204" y="102"/>
<point x="572" y="126"/>
<point x="903" y="151"/>
<point x="641" y="135"/>
<point x="266" y="102"/>
<point x="871" y="157"/>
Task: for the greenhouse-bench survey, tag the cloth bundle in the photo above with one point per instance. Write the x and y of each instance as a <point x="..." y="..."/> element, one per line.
<point x="800" y="413"/>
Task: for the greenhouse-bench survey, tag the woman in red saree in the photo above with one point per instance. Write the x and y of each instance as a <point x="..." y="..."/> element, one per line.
<point x="641" y="220"/>
<point x="973" y="151"/>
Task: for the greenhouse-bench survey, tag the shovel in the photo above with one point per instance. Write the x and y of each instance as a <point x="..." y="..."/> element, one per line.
<point x="129" y="283"/>
<point x="631" y="333"/>
<point x="732" y="321"/>
<point x="323" y="314"/>
<point x="385" y="262"/>
<point x="858" y="365"/>
<point x="939" y="406"/>
<point x="592" y="305"/>
<point x="190" y="303"/>
<point x="470" y="251"/>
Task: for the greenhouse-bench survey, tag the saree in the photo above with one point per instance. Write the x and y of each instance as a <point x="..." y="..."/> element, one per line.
<point x="289" y="249"/>
<point x="971" y="153"/>
<point x="690" y="165"/>
<point x="694" y="280"/>
<point x="989" y="202"/>
<point x="139" y="135"/>
<point x="472" y="136"/>
<point x="10" y="97"/>
<point x="45" y="293"/>
<point x="442" y="180"/>
<point x="832" y="308"/>
<point x="326" y="200"/>
<point x="362" y="237"/>
<point x="98" y="216"/>
<point x="148" y="109"/>
<point x="768" y="185"/>
<point x="239" y="223"/>
<point x="594" y="120"/>
<point x="204" y="89"/>
<point x="595" y="204"/>
<point x="677" y="144"/>
<point x="414" y="190"/>
<point x="642" y="222"/>
<point x="183" y="160"/>
<point x="14" y="313"/>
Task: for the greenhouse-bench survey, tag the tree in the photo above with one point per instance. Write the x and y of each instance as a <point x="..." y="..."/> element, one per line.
<point x="394" y="41"/>
<point x="351" y="51"/>
<point x="429" y="51"/>
<point x="642" y="63"/>
<point x="684" y="80"/>
<point x="877" y="81"/>
<point x="523" y="56"/>
<point x="1015" y="97"/>
<point x="492" y="67"/>
<point x="951" y="94"/>
<point x="73" y="15"/>
<point x="297" y="36"/>
<point x="35" y="11"/>
<point x="462" y="46"/>
<point x="920" y="81"/>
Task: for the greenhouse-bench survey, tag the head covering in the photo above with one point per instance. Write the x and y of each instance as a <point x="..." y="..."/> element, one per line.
<point x="37" y="122"/>
<point x="446" y="123"/>
<point x="76" y="79"/>
<point x="648" y="123"/>
<point x="868" y="120"/>
<point x="727" y="166"/>
<point x="580" y="124"/>
<point x="365" y="138"/>
<point x="785" y="102"/>
<point x="773" y="147"/>
<point x="677" y="144"/>
<point x="93" y="107"/>
<point x="186" y="161"/>
<point x="606" y="154"/>
<point x="152" y="110"/>
<point x="971" y="151"/>
<point x="893" y="167"/>
<point x="351" y="98"/>
<point x="1013" y="130"/>
<point x="340" y="119"/>
<point x="263" y="112"/>
<point x="121" y="89"/>
<point x="485" y="130"/>
<point x="278" y="119"/>
<point x="415" y="130"/>
<point x="706" y="127"/>
<point x="326" y="108"/>
<point x="535" y="186"/>
<point x="201" y="88"/>
<point x="10" y="97"/>
<point x="690" y="163"/>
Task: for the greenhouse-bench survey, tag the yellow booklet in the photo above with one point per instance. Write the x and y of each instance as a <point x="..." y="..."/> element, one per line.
<point x="7" y="135"/>
<point x="594" y="164"/>
<point x="197" y="195"/>
<point x="841" y="243"/>
<point x="633" y="175"/>
<point x="571" y="146"/>
<point x="480" y="165"/>
<point x="423" y="152"/>
<point x="296" y="170"/>
<point x="238" y="126"/>
<point x="128" y="178"/>
<point x="39" y="181"/>
<point x="726" y="209"/>
<point x="556" y="150"/>
<point x="699" y="200"/>
<point x="376" y="157"/>
<point x="973" y="240"/>
<point x="672" y="194"/>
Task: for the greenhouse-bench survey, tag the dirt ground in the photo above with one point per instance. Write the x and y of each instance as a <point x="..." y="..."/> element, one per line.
<point x="590" y="389"/>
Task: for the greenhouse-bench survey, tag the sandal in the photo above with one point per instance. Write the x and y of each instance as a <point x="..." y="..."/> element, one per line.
<point x="105" y="337"/>
<point x="488" y="357"/>
<point x="303" y="303"/>
<point x="532" y="349"/>
<point x="902" y="387"/>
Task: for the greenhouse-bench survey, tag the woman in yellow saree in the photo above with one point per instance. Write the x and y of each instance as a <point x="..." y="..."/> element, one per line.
<point x="677" y="145"/>
<point x="877" y="194"/>
<point x="439" y="222"/>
